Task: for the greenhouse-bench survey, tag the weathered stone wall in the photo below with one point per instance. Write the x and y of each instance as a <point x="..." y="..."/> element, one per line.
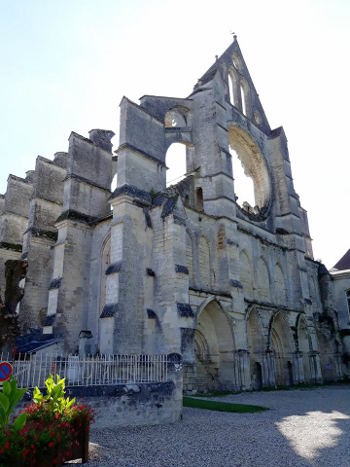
<point x="14" y="210"/>
<point x="187" y="268"/>
<point x="133" y="404"/>
<point x="40" y="236"/>
<point x="85" y="202"/>
<point x="130" y="404"/>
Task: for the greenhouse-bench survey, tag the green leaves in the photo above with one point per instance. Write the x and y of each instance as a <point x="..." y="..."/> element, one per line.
<point x="19" y="422"/>
<point x="55" y="395"/>
<point x="4" y="402"/>
<point x="37" y="396"/>
<point x="9" y="397"/>
<point x="6" y="388"/>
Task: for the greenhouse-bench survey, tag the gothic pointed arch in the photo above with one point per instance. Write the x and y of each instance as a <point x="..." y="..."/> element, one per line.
<point x="214" y="348"/>
<point x="256" y="347"/>
<point x="281" y="343"/>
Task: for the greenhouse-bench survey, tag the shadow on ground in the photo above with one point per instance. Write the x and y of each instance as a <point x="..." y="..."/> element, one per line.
<point x="302" y="428"/>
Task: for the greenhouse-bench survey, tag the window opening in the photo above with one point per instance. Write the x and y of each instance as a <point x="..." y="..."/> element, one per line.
<point x="114" y="183"/>
<point x="250" y="173"/>
<point x="230" y="86"/>
<point x="174" y="118"/>
<point x="243" y="183"/>
<point x="243" y="99"/>
<point x="175" y="161"/>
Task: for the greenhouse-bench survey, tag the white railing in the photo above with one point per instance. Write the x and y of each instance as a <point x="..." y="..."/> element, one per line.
<point x="32" y="370"/>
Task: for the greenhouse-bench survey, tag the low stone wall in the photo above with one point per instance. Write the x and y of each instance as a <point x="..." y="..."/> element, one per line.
<point x="131" y="404"/>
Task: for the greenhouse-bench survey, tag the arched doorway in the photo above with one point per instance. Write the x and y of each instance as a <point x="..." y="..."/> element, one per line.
<point x="256" y="348"/>
<point x="214" y="350"/>
<point x="281" y="344"/>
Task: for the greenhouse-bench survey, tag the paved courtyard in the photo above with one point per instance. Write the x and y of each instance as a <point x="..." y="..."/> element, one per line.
<point x="302" y="428"/>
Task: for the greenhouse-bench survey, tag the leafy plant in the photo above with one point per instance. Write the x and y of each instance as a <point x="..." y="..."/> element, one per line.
<point x="52" y="429"/>
<point x="9" y="398"/>
<point x="54" y="399"/>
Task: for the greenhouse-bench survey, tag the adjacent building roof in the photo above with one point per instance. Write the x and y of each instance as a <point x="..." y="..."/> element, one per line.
<point x="343" y="263"/>
<point x="34" y="341"/>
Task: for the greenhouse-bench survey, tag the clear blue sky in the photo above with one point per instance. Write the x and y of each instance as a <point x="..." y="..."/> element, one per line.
<point x="65" y="65"/>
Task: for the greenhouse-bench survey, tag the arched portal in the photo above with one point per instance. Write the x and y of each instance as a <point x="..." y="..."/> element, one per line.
<point x="281" y="344"/>
<point x="214" y="350"/>
<point x="305" y="347"/>
<point x="256" y="348"/>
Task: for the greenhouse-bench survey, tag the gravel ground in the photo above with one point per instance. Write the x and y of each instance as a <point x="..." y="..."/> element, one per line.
<point x="302" y="428"/>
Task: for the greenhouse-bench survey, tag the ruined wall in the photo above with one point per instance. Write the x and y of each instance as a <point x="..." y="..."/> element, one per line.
<point x="14" y="210"/>
<point x="204" y="245"/>
<point x="85" y="202"/>
<point x="40" y="236"/>
<point x="188" y="268"/>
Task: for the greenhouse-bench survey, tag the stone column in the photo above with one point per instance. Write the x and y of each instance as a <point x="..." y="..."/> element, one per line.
<point x="298" y="367"/>
<point x="241" y="370"/>
<point x="315" y="365"/>
<point x="338" y="363"/>
<point x="269" y="378"/>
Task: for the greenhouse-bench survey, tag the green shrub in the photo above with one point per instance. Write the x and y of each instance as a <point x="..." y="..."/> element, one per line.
<point x="47" y="430"/>
<point x="9" y="398"/>
<point x="55" y="399"/>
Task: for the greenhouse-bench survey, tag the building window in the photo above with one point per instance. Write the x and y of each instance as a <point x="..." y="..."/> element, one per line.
<point x="348" y="301"/>
<point x="175" y="160"/>
<point x="199" y="199"/>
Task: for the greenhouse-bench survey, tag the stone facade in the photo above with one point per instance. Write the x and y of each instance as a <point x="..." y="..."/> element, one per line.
<point x="154" y="269"/>
<point x="340" y="274"/>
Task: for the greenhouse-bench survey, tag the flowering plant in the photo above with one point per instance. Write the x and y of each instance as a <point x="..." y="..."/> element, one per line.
<point x="53" y="430"/>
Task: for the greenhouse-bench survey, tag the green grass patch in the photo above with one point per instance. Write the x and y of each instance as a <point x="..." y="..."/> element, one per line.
<point x="214" y="394"/>
<point x="221" y="406"/>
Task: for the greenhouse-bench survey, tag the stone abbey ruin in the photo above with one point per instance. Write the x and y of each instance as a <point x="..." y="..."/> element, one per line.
<point x="147" y="268"/>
